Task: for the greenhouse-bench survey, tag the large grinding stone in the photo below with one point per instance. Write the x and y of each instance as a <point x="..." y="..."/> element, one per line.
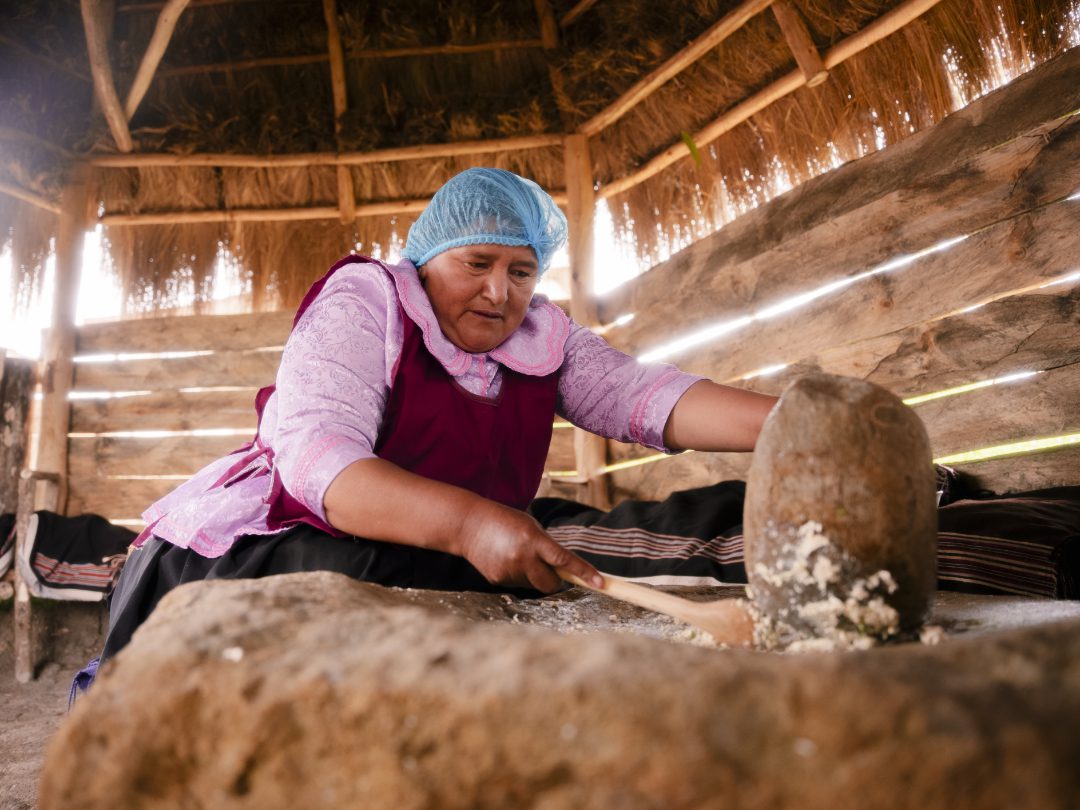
<point x="850" y="456"/>
<point x="316" y="691"/>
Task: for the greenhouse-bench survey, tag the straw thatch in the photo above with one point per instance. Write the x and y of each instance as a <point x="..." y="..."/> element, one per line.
<point x="900" y="85"/>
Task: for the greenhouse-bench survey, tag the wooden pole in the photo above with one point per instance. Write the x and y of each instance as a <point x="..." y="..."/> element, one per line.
<point x="304" y="159"/>
<point x="159" y="41"/>
<point x="800" y="42"/>
<point x="549" y="36"/>
<point x="728" y="24"/>
<point x="59" y="349"/>
<point x="97" y="49"/>
<point x="346" y="193"/>
<point x="381" y="53"/>
<point x="388" y="208"/>
<point x="590" y="450"/>
<point x="876" y="31"/>
<point x="37" y="200"/>
<point x="579" y="8"/>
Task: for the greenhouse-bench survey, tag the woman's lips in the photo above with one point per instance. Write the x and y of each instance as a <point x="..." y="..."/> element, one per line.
<point x="489" y="315"/>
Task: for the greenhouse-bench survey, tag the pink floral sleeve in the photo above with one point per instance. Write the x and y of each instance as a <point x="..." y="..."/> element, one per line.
<point x="610" y="393"/>
<point x="334" y="380"/>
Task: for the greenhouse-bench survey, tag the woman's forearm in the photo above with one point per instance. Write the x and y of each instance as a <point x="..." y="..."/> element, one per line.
<point x="378" y="500"/>
<point x="717" y="417"/>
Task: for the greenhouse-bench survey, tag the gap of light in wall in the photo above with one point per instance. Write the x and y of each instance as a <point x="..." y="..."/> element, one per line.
<point x="217" y="389"/>
<point x="123" y="357"/>
<point x="562" y="425"/>
<point x="714" y="331"/>
<point x="963" y="389"/>
<point x="1063" y="280"/>
<point x="767" y="371"/>
<point x="1020" y="448"/>
<point x="162" y="434"/>
<point x="79" y="395"/>
<point x="147" y="477"/>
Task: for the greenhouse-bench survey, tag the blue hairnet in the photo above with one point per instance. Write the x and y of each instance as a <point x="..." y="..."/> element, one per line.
<point x="487" y="206"/>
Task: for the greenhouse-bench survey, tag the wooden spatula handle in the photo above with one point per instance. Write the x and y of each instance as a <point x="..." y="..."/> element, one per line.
<point x="639" y="595"/>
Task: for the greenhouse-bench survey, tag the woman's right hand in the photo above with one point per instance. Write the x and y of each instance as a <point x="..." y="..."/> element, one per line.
<point x="510" y="548"/>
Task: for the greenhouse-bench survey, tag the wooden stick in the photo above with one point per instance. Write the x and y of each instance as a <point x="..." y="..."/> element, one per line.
<point x="159" y="41"/>
<point x="377" y="209"/>
<point x="579" y="8"/>
<point x="135" y="8"/>
<point x="101" y="69"/>
<point x="421" y="152"/>
<point x="549" y="36"/>
<point x="346" y="195"/>
<point x="728" y="24"/>
<point x="29" y="197"/>
<point x="590" y="450"/>
<point x="383" y="53"/>
<point x="876" y="31"/>
<point x="800" y="42"/>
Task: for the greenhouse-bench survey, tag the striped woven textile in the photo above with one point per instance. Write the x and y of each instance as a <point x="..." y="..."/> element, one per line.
<point x="1025" y="545"/>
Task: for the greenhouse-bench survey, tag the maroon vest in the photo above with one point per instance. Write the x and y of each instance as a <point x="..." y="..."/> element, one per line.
<point x="435" y="428"/>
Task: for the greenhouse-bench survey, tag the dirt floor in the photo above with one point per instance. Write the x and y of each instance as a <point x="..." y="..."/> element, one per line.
<point x="69" y="634"/>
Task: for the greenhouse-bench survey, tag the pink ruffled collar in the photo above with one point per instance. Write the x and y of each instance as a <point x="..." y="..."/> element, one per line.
<point x="535" y="348"/>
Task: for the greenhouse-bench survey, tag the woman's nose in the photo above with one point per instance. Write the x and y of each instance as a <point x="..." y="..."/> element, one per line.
<point x="496" y="286"/>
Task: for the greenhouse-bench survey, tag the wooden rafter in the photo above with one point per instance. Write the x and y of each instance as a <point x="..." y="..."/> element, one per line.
<point x="336" y="53"/>
<point x="159" y="41"/>
<point x="727" y="25"/>
<point x="373" y="209"/>
<point x="20" y="193"/>
<point x="579" y="8"/>
<point x="800" y="42"/>
<point x="885" y="25"/>
<point x="421" y="152"/>
<point x="549" y="36"/>
<point x="101" y="69"/>
<point x="385" y="53"/>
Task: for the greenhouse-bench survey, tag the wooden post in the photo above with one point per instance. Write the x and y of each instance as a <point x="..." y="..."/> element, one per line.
<point x="346" y="193"/>
<point x="29" y="502"/>
<point x="590" y="450"/>
<point x="59" y="348"/>
<point x="549" y="36"/>
<point x="97" y="49"/>
<point x="16" y="392"/>
<point x="800" y="42"/>
<point x="159" y="41"/>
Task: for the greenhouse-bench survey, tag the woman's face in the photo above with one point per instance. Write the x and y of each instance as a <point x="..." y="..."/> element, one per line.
<point x="480" y="293"/>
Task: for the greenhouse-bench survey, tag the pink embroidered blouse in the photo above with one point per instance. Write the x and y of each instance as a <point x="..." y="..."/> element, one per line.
<point x="334" y="379"/>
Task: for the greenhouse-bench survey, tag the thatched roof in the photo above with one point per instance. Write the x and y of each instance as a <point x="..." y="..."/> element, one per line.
<point x="242" y="78"/>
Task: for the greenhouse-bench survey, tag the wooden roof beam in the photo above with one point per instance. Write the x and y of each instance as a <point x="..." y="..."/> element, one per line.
<point x="101" y="69"/>
<point x="549" y="36"/>
<point x="346" y="192"/>
<point x="20" y="193"/>
<point x="885" y="25"/>
<point x="727" y="25"/>
<point x="800" y="42"/>
<point x="421" y="152"/>
<point x="155" y="50"/>
<point x="579" y="8"/>
<point x="384" y="53"/>
<point x="373" y="209"/>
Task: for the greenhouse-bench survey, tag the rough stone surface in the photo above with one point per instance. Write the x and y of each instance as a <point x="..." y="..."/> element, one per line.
<point x="314" y="690"/>
<point x="850" y="456"/>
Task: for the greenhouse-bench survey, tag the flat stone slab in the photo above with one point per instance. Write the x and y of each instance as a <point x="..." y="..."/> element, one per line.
<point x="315" y="690"/>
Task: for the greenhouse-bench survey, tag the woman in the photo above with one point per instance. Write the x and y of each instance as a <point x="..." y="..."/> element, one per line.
<point x="413" y="408"/>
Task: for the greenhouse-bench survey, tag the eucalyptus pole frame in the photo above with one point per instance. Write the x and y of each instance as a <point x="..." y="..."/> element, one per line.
<point x="346" y="191"/>
<point x="590" y="450"/>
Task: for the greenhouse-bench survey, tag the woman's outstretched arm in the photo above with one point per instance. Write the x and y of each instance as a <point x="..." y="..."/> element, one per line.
<point x="710" y="416"/>
<point x="376" y="499"/>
